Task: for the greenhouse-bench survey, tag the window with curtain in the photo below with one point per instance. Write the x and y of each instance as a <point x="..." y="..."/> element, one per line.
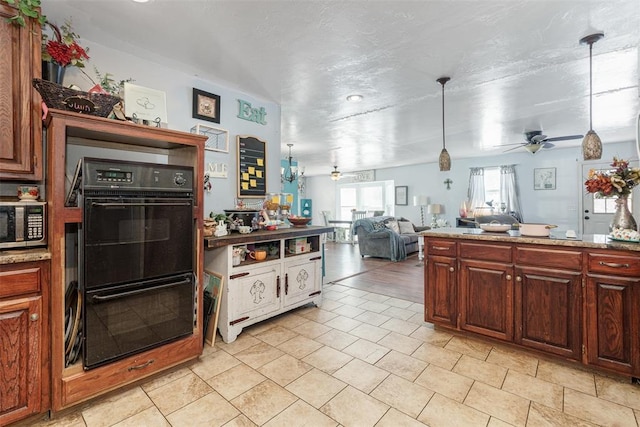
<point x="496" y="186"/>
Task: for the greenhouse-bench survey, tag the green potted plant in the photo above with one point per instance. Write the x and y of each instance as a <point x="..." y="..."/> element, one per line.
<point x="25" y="9"/>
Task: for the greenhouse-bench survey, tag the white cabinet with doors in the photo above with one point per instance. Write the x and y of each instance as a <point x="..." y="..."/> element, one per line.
<point x="257" y="290"/>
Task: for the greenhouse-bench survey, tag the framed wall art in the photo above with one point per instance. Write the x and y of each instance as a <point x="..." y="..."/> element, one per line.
<point x="401" y="195"/>
<point x="206" y="106"/>
<point x="144" y="104"/>
<point x="544" y="179"/>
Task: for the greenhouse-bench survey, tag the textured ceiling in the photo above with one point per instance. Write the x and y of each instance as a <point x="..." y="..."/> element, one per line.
<point x="515" y="65"/>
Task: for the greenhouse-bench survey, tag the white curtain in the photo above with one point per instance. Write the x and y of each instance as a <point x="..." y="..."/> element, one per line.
<point x="475" y="193"/>
<point x="509" y="190"/>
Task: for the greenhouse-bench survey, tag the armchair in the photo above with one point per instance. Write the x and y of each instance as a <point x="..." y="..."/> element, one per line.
<point x="386" y="237"/>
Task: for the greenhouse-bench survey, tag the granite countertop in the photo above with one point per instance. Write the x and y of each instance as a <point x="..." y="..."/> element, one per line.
<point x="12" y="256"/>
<point x="599" y="241"/>
<point x="263" y="235"/>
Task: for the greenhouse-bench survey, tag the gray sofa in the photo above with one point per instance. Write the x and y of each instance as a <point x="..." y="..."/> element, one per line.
<point x="377" y="237"/>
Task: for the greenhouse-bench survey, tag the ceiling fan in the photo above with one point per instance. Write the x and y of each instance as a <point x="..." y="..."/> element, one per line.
<point x="535" y="140"/>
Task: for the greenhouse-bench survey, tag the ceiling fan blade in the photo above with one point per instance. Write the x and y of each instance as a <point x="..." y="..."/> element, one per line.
<point x="514" y="148"/>
<point x="538" y="138"/>
<point x="508" y="145"/>
<point x="564" y="138"/>
<point x="546" y="144"/>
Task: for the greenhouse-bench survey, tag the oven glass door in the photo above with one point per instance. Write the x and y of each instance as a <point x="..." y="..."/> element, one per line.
<point x="127" y="319"/>
<point x="132" y="239"/>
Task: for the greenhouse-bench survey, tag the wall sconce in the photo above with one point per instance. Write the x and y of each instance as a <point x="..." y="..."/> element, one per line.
<point x="435" y="210"/>
<point x="420" y="200"/>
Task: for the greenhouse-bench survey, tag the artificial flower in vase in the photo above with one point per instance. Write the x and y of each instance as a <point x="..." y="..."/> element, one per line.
<point x="61" y="51"/>
<point x="617" y="182"/>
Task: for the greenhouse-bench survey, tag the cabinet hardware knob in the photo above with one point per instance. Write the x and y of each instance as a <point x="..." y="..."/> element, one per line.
<point x="34" y="317"/>
<point x="518" y="279"/>
<point x="614" y="265"/>
<point x="451" y="269"/>
<point x="508" y="277"/>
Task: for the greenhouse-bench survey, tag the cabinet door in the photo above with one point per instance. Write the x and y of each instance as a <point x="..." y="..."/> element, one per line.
<point x="254" y="293"/>
<point x="486" y="298"/>
<point x="548" y="310"/>
<point x="440" y="294"/>
<point x="21" y="134"/>
<point x="302" y="280"/>
<point x="612" y="323"/>
<point x="20" y="370"/>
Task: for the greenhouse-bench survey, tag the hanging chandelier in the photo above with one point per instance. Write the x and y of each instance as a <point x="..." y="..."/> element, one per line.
<point x="591" y="144"/>
<point x="335" y="174"/>
<point x="290" y="172"/>
<point x="444" y="161"/>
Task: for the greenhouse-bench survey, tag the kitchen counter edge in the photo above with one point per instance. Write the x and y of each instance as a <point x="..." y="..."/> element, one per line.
<point x="14" y="256"/>
<point x="264" y="235"/>
<point x="599" y="241"/>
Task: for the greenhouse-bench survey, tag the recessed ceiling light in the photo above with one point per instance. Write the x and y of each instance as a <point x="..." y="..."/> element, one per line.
<point x="355" y="98"/>
<point x="141" y="1"/>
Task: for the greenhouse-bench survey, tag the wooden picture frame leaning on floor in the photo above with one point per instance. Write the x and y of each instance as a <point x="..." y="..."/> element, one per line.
<point x="213" y="282"/>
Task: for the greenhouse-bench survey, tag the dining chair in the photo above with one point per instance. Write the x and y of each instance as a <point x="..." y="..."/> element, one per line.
<point x="355" y="215"/>
<point x="326" y="216"/>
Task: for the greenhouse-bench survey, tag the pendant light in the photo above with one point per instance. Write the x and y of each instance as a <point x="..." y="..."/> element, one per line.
<point x="591" y="144"/>
<point x="289" y="173"/>
<point x="445" y="160"/>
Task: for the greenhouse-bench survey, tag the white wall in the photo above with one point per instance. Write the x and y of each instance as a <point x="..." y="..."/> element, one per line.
<point x="561" y="206"/>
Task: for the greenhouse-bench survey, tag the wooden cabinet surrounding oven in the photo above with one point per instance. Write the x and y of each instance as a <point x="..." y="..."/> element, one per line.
<point x="21" y="133"/>
<point x="24" y="344"/>
<point x="68" y="133"/>
<point x="579" y="303"/>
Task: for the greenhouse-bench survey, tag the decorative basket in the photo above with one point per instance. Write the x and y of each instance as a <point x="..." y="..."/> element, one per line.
<point x="62" y="98"/>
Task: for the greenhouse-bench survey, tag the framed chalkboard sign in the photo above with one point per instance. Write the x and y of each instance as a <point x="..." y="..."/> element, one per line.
<point x="252" y="167"/>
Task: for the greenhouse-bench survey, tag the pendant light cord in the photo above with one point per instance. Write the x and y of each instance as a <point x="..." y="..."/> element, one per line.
<point x="590" y="86"/>
<point x="443" y="145"/>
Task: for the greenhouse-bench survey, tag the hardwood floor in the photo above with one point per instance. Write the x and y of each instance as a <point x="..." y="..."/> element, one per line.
<point x="404" y="279"/>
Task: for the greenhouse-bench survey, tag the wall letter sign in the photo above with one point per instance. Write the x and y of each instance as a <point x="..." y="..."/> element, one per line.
<point x="247" y="112"/>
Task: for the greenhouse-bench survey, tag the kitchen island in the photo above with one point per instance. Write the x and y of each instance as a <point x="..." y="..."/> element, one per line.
<point x="578" y="299"/>
<point x="289" y="276"/>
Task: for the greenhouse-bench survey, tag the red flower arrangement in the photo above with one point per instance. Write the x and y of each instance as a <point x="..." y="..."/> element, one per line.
<point x="618" y="182"/>
<point x="64" y="49"/>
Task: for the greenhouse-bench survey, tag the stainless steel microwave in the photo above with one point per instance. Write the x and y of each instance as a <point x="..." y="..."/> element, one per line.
<point x="23" y="224"/>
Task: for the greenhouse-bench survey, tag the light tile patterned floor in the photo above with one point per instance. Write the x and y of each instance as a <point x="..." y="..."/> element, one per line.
<point x="364" y="360"/>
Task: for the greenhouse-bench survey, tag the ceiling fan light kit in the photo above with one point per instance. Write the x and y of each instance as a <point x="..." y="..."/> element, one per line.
<point x="335" y="174"/>
<point x="444" y="161"/>
<point x="591" y="144"/>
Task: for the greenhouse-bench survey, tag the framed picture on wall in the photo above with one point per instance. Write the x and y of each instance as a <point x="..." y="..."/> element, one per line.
<point x="544" y="179"/>
<point x="206" y="106"/>
<point x="401" y="195"/>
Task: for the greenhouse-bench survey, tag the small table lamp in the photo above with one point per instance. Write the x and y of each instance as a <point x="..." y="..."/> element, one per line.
<point x="434" y="209"/>
<point x="420" y="200"/>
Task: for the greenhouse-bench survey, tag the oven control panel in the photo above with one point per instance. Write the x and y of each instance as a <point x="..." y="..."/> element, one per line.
<point x="100" y="174"/>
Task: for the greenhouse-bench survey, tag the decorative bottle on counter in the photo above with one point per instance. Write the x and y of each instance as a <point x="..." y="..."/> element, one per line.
<point x="622" y="217"/>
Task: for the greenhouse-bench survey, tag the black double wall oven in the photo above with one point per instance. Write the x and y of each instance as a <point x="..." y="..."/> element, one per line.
<point x="137" y="257"/>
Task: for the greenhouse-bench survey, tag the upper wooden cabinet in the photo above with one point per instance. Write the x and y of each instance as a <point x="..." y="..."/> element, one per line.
<point x="20" y="112"/>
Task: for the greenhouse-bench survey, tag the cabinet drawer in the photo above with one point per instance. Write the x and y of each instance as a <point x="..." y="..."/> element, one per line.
<point x="547" y="257"/>
<point x="19" y="282"/>
<point x="441" y="247"/>
<point x="486" y="252"/>
<point x="619" y="265"/>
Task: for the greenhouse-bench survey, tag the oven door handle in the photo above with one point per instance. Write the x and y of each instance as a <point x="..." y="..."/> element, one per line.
<point x="98" y="298"/>
<point x="140" y="204"/>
